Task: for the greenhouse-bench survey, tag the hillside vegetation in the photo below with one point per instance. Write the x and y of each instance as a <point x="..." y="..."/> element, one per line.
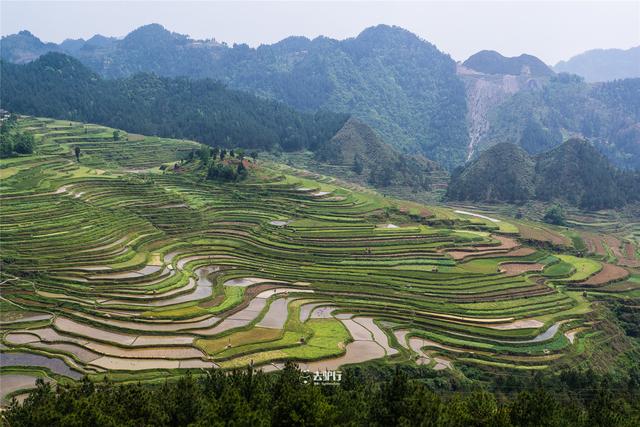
<point x="390" y="79"/>
<point x="539" y="118"/>
<point x="401" y="85"/>
<point x="491" y="62"/>
<point x="365" y="397"/>
<point x="502" y="173"/>
<point x="59" y="86"/>
<point x="357" y="146"/>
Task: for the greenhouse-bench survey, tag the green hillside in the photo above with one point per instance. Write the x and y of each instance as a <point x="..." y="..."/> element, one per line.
<point x="358" y="147"/>
<point x="503" y="173"/>
<point x="390" y="79"/>
<point x="59" y="86"/>
<point x="575" y="173"/>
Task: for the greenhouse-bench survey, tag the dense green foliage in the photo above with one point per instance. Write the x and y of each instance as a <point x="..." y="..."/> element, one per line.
<point x="502" y="173"/>
<point x="59" y="86"/>
<point x="600" y="65"/>
<point x="363" y="398"/>
<point x="574" y="172"/>
<point x="13" y="141"/>
<point x="401" y="85"/>
<point x="627" y="314"/>
<point x="555" y="215"/>
<point x="491" y="62"/>
<point x="578" y="173"/>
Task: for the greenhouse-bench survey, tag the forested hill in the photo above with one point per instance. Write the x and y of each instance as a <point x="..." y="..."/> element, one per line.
<point x="57" y="85"/>
<point x="608" y="114"/>
<point x="502" y="173"/>
<point x="491" y="62"/>
<point x="574" y="173"/>
<point x="358" y="147"/>
<point x="394" y="81"/>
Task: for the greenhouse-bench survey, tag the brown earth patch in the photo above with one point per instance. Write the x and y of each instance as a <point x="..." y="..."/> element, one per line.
<point x="608" y="273"/>
<point x="614" y="244"/>
<point x="517" y="268"/>
<point x="594" y="243"/>
<point x="543" y="235"/>
<point x="506" y="244"/>
<point x="629" y="259"/>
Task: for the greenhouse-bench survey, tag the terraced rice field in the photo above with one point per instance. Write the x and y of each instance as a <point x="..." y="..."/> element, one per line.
<point x="112" y="267"/>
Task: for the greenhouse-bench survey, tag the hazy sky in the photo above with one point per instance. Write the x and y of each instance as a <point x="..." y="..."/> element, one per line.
<point x="551" y="30"/>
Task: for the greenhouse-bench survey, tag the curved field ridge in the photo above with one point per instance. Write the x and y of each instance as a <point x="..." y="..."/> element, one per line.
<point x="114" y="266"/>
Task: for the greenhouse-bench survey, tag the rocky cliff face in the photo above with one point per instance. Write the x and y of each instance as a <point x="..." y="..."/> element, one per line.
<point x="485" y="92"/>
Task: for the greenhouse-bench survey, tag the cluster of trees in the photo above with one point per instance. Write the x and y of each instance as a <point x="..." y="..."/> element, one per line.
<point x="555" y="215"/>
<point x="627" y="314"/>
<point x="377" y="397"/>
<point x="56" y="85"/>
<point x="219" y="169"/>
<point x="12" y="140"/>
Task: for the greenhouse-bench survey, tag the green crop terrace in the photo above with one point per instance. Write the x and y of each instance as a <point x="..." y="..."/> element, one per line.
<point x="114" y="267"/>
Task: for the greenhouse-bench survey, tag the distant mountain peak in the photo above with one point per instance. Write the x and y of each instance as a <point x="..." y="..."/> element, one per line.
<point x="384" y="33"/>
<point x="492" y="62"/>
<point x="23" y="47"/>
<point x="600" y="65"/>
<point x="151" y="35"/>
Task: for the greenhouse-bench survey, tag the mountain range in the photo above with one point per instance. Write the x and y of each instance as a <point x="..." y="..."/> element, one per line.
<point x="415" y="97"/>
<point x="601" y="65"/>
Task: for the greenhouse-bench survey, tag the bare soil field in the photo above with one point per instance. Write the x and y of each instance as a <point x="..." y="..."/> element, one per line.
<point x="609" y="273"/>
<point x="544" y="235"/>
<point x="517" y="268"/>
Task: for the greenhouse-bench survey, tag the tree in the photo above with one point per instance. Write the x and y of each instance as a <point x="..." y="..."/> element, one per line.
<point x="6" y="140"/>
<point x="254" y="155"/>
<point x="241" y="170"/>
<point x="357" y="167"/>
<point x="223" y="153"/>
<point x="13" y="141"/>
<point x="555" y="215"/>
<point x="116" y="135"/>
<point x="24" y="143"/>
<point x="204" y="154"/>
<point x="76" y="150"/>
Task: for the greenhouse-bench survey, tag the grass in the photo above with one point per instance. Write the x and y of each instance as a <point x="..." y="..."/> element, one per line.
<point x="582" y="267"/>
